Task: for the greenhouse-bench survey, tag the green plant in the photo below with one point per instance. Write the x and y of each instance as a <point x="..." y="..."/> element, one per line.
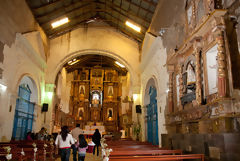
<point x="137" y="130"/>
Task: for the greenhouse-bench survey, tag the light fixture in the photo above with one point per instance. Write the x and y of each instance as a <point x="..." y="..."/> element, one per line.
<point x="74" y="61"/>
<point x="3" y="87"/>
<point x="135" y="97"/>
<point x="60" y="22"/>
<point x="49" y="95"/>
<point x="134" y="27"/>
<point x="116" y="62"/>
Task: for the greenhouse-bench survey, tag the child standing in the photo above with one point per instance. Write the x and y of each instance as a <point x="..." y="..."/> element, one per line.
<point x="82" y="147"/>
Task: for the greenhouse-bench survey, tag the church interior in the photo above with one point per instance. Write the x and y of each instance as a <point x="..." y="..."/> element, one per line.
<point x="159" y="72"/>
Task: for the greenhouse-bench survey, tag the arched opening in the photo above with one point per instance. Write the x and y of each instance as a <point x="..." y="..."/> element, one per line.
<point x="151" y="123"/>
<point x="89" y="91"/>
<point x="24" y="111"/>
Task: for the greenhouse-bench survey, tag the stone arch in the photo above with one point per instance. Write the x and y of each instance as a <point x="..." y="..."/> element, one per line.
<point x="25" y="109"/>
<point x="35" y="84"/>
<point x="151" y="125"/>
<point x="52" y="74"/>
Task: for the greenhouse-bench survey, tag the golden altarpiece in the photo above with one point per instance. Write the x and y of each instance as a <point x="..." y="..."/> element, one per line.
<point x="95" y="97"/>
<point x="200" y="73"/>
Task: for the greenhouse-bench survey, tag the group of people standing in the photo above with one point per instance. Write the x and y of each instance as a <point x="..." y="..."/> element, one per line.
<point x="76" y="140"/>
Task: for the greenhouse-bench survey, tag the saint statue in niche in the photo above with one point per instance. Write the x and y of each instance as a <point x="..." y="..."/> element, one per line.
<point x="191" y="78"/>
<point x="109" y="113"/>
<point x="80" y="113"/>
<point x="82" y="89"/>
<point x="95" y="98"/>
<point x="110" y="91"/>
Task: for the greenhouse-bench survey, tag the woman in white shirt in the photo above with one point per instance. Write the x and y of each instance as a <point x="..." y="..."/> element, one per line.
<point x="64" y="141"/>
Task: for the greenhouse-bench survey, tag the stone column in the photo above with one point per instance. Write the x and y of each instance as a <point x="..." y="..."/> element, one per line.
<point x="221" y="59"/>
<point x="198" y="72"/>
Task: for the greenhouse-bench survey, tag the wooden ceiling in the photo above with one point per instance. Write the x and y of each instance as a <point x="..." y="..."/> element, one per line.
<point x="88" y="61"/>
<point x="82" y="12"/>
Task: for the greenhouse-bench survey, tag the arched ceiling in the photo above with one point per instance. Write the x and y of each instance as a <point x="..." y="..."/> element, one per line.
<point x="88" y="61"/>
<point x="82" y="12"/>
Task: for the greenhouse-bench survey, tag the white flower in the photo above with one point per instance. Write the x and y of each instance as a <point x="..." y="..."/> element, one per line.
<point x="22" y="152"/>
<point x="9" y="156"/>
<point x="35" y="150"/>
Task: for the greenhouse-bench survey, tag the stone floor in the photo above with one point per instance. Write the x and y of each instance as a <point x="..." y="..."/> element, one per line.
<point x="89" y="157"/>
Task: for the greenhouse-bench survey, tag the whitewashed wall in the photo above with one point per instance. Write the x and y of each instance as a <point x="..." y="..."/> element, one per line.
<point x="95" y="40"/>
<point x="152" y="66"/>
<point x="23" y="58"/>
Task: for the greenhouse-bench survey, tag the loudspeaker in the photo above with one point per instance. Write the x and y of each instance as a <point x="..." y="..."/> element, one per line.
<point x="138" y="109"/>
<point x="45" y="107"/>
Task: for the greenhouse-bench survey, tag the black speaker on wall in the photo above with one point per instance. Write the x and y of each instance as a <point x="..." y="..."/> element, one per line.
<point x="45" y="107"/>
<point x="138" y="109"/>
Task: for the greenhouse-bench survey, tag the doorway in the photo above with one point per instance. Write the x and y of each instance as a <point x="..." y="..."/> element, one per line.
<point x="152" y="117"/>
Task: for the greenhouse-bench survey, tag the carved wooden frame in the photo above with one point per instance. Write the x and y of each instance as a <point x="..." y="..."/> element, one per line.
<point x="205" y="49"/>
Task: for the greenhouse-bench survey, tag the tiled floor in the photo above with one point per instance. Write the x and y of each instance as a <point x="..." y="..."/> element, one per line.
<point x="89" y="157"/>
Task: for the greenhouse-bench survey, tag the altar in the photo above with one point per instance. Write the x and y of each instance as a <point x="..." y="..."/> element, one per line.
<point x="89" y="130"/>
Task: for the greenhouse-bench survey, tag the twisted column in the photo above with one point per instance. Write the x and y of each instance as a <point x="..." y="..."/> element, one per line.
<point x="198" y="73"/>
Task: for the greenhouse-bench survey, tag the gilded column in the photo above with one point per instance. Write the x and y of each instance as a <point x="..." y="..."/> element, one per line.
<point x="221" y="61"/>
<point x="170" y="86"/>
<point x="180" y="68"/>
<point x="170" y="93"/>
<point x="198" y="73"/>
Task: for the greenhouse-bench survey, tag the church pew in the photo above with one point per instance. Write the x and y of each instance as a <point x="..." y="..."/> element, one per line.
<point x="27" y="147"/>
<point x="16" y="152"/>
<point x="143" y="152"/>
<point x="158" y="157"/>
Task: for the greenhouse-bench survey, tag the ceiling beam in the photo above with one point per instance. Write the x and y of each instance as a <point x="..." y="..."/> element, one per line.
<point x="58" y="13"/>
<point x="127" y="33"/>
<point x="151" y="2"/>
<point x="47" y="26"/>
<point x="137" y="5"/>
<point x="127" y="17"/>
<point x="135" y="15"/>
<point x="137" y="33"/>
<point x="63" y="8"/>
<point x="45" y="5"/>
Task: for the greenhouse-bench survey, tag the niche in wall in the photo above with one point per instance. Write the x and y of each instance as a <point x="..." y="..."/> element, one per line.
<point x="211" y="65"/>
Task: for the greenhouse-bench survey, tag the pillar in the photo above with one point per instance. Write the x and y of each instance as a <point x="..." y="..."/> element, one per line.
<point x="221" y="59"/>
<point x="198" y="72"/>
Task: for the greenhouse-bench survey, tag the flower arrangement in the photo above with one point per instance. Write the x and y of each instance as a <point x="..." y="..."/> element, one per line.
<point x="106" y="153"/>
<point x="22" y="152"/>
<point x="104" y="145"/>
<point x="8" y="150"/>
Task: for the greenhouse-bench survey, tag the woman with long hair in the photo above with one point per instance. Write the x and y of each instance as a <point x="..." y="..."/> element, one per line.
<point x="96" y="139"/>
<point x="64" y="141"/>
<point x="82" y="147"/>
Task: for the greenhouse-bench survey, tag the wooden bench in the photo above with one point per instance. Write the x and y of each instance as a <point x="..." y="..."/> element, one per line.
<point x="27" y="146"/>
<point x="158" y="157"/>
<point x="145" y="152"/>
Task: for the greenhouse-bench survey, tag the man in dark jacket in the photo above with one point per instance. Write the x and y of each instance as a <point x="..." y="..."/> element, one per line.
<point x="96" y="139"/>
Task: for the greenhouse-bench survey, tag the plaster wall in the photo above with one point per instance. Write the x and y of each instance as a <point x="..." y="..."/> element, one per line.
<point x="154" y="68"/>
<point x="95" y="40"/>
<point x="21" y="59"/>
<point x="63" y="89"/>
<point x="16" y="17"/>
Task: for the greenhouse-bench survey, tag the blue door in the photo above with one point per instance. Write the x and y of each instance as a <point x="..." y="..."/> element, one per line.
<point x="24" y="114"/>
<point x="152" y="116"/>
